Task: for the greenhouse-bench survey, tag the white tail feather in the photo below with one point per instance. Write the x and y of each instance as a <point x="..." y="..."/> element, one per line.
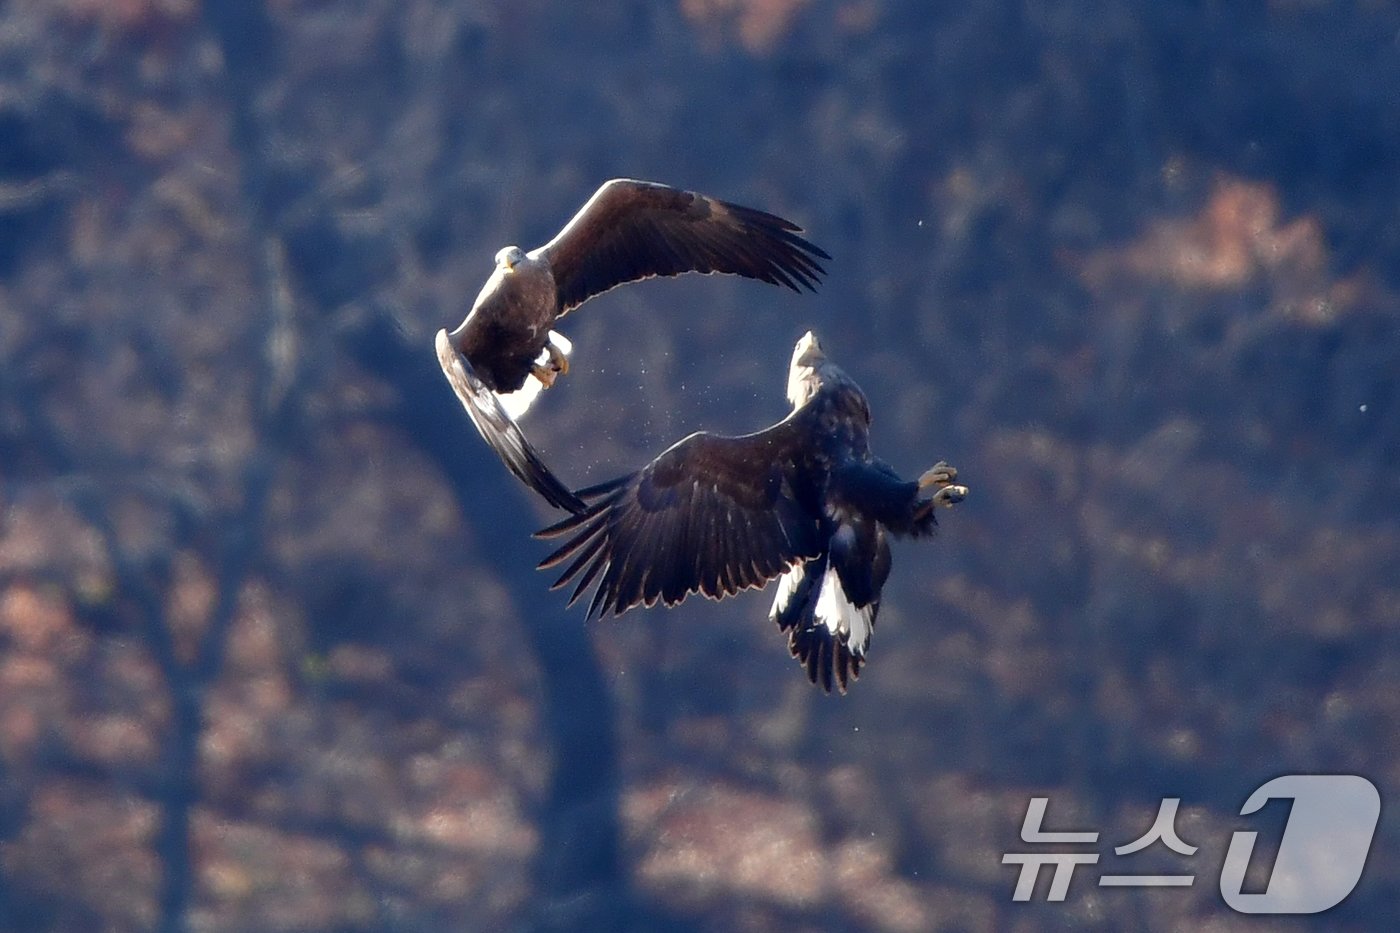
<point x="840" y="615"/>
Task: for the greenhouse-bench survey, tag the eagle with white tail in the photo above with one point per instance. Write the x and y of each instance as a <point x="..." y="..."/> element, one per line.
<point x="803" y="500"/>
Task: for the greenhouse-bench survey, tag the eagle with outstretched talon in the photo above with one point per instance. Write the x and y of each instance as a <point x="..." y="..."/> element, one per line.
<point x="804" y="502"/>
<point x="506" y="351"/>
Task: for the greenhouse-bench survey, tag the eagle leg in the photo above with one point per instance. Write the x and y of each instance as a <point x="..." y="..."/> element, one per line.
<point x="550" y="365"/>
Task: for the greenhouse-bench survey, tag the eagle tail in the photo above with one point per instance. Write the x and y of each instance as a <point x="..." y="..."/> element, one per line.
<point x="827" y="632"/>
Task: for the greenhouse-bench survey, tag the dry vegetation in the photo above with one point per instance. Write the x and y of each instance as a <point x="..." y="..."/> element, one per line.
<point x="272" y="653"/>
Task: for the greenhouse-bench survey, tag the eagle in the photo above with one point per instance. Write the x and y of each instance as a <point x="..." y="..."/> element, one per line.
<point x="506" y="350"/>
<point x="803" y="501"/>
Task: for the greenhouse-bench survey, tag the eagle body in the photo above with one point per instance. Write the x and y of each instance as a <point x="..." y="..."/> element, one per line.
<point x="506" y="350"/>
<point x="804" y="501"/>
<point x="509" y="324"/>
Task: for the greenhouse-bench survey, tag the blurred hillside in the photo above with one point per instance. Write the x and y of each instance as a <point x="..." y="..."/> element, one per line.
<point x="273" y="654"/>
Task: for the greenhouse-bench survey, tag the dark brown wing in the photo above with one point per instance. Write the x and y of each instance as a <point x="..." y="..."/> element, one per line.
<point x="500" y="430"/>
<point x="631" y="230"/>
<point x="713" y="515"/>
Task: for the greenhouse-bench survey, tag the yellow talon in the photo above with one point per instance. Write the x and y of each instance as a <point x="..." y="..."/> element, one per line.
<point x="551" y="364"/>
<point x="557" y="359"/>
<point x="940" y="474"/>
<point x="949" y="496"/>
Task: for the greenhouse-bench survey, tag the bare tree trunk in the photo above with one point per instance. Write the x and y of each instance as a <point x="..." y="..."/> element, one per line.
<point x="580" y="880"/>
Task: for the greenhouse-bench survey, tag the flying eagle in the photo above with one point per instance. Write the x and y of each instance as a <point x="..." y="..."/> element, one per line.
<point x="804" y="500"/>
<point x="506" y="350"/>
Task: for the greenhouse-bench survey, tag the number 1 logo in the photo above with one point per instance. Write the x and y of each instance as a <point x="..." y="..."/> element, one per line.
<point x="1324" y="845"/>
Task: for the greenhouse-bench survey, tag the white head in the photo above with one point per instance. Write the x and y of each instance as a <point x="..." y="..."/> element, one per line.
<point x="508" y="257"/>
<point x="804" y="379"/>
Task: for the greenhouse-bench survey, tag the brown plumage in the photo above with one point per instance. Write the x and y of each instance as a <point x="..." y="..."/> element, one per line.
<point x="506" y="350"/>
<point x="804" y="500"/>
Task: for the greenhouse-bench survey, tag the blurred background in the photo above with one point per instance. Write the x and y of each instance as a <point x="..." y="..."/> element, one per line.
<point x="273" y="653"/>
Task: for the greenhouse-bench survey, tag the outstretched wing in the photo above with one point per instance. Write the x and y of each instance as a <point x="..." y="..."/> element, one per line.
<point x="632" y="230"/>
<point x="712" y="514"/>
<point x="499" y="430"/>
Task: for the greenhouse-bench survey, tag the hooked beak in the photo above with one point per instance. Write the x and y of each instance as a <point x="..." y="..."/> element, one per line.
<point x="507" y="258"/>
<point x="807" y="347"/>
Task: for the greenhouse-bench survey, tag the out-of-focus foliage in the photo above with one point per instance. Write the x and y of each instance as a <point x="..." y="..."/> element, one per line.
<point x="272" y="650"/>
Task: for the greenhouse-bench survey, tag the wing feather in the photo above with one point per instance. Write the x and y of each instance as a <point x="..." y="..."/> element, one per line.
<point x="632" y="230"/>
<point x="591" y="574"/>
<point x="711" y="515"/>
<point x="499" y="430"/>
<point x="586" y="552"/>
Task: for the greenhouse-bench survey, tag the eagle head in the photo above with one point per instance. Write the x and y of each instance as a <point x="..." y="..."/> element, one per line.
<point x="508" y="257"/>
<point x="804" y="378"/>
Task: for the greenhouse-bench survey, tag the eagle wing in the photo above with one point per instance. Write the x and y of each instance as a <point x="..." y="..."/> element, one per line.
<point x="632" y="230"/>
<point x="712" y="514"/>
<point x="500" y="430"/>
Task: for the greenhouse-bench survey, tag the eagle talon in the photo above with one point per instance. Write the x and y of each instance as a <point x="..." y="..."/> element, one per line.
<point x="940" y="474"/>
<point x="545" y="374"/>
<point x="550" y="365"/>
<point x="949" y="496"/>
<point x="557" y="360"/>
